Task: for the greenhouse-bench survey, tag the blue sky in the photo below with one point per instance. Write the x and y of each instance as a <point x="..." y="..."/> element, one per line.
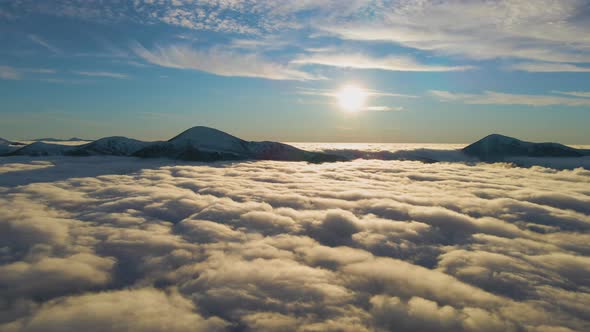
<point x="432" y="71"/>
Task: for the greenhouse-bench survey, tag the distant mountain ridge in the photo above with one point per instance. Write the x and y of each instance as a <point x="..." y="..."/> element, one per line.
<point x="51" y="139"/>
<point x="5" y="141"/>
<point x="195" y="144"/>
<point x="209" y="144"/>
<point x="496" y="147"/>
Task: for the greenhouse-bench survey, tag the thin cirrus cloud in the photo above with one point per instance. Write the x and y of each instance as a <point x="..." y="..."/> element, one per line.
<point x="12" y="73"/>
<point x="581" y="94"/>
<point x="499" y="98"/>
<point x="106" y="74"/>
<point x="253" y="245"/>
<point x="220" y="62"/>
<point x="43" y="43"/>
<point x="361" y="61"/>
<point x="334" y="93"/>
<point x="551" y="35"/>
<point x="47" y="71"/>
<point x="547" y="67"/>
<point x="383" y="109"/>
<point x="484" y="29"/>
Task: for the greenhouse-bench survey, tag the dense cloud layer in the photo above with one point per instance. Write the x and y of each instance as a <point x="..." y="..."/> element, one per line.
<point x="103" y="244"/>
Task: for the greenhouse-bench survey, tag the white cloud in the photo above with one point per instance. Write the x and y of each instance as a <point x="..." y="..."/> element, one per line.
<point x="581" y="94"/>
<point x="101" y="74"/>
<point x="360" y="61"/>
<point x="383" y="108"/>
<point x="12" y="73"/>
<point x="547" y="67"/>
<point x="549" y="35"/>
<point x="334" y="93"/>
<point x="40" y="70"/>
<point x="544" y="30"/>
<point x="220" y="62"/>
<point x="149" y="246"/>
<point x="16" y="167"/>
<point x="42" y="42"/>
<point x="499" y="98"/>
<point x="145" y="309"/>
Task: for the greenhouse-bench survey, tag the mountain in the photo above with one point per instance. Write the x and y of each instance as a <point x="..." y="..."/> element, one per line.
<point x="496" y="147"/>
<point x="5" y="141"/>
<point x="194" y="144"/>
<point x="208" y="144"/>
<point x="113" y="146"/>
<point x="199" y="144"/>
<point x="209" y="139"/>
<point x="51" y="139"/>
<point x="37" y="149"/>
<point x="6" y="146"/>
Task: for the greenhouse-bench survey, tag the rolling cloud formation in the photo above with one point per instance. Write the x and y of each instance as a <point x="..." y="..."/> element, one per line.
<point x="368" y="245"/>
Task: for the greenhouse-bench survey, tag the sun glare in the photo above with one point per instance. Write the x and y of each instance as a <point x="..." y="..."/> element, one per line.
<point x="351" y="98"/>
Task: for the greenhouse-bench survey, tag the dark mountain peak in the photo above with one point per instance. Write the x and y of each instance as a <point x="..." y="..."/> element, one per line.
<point x="203" y="133"/>
<point x="497" y="147"/>
<point x="496" y="136"/>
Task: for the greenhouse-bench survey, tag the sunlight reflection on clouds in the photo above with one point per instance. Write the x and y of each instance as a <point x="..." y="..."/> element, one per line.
<point x="363" y="245"/>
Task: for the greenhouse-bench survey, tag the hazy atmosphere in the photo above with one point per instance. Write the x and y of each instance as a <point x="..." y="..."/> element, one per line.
<point x="305" y="166"/>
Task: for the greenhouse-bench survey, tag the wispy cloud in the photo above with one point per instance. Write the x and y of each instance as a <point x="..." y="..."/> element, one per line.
<point x="220" y="62"/>
<point x="64" y="80"/>
<point x="548" y="67"/>
<point x="541" y="30"/>
<point x="581" y="94"/>
<point x="499" y="98"/>
<point x="101" y="74"/>
<point x="334" y="93"/>
<point x="9" y="73"/>
<point x="47" y="71"/>
<point x="42" y="42"/>
<point x="360" y="61"/>
<point x="12" y="73"/>
<point x="383" y="109"/>
<point x="266" y="43"/>
<point x="533" y="30"/>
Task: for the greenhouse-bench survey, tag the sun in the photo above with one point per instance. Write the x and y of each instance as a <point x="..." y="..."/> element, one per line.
<point x="351" y="98"/>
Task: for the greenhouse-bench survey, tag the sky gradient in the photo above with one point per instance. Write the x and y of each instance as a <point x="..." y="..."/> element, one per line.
<point x="435" y="71"/>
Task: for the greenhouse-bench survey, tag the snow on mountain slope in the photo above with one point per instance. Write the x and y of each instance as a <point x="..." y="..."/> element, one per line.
<point x="208" y="144"/>
<point x="115" y="146"/>
<point x="195" y="144"/>
<point x="497" y="147"/>
<point x="42" y="149"/>
<point x="209" y="139"/>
